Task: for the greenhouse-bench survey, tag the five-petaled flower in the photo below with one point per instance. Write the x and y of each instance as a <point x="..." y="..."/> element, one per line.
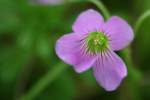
<point x="92" y="44"/>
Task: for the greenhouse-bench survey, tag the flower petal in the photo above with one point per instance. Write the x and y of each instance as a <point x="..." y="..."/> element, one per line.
<point x="68" y="48"/>
<point x="109" y="70"/>
<point x="119" y="32"/>
<point x="88" y="21"/>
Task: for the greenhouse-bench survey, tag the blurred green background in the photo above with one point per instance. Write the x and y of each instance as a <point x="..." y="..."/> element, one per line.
<point x="28" y="33"/>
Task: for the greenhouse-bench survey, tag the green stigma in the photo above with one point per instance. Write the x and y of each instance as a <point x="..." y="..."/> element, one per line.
<point x="96" y="42"/>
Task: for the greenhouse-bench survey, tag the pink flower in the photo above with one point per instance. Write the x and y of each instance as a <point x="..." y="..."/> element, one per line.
<point x="48" y="2"/>
<point x="92" y="44"/>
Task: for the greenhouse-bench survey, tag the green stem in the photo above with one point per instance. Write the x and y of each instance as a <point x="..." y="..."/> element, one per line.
<point x="102" y="7"/>
<point x="45" y="81"/>
<point x="141" y="20"/>
<point x="97" y="3"/>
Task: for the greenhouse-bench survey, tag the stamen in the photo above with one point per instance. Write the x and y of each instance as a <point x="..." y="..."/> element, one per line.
<point x="96" y="42"/>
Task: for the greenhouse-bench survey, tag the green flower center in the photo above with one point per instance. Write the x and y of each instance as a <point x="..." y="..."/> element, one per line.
<point x="96" y="42"/>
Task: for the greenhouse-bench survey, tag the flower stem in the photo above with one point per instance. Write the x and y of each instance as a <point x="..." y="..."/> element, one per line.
<point x="99" y="5"/>
<point x="44" y="81"/>
<point x="141" y="19"/>
<point x="102" y="7"/>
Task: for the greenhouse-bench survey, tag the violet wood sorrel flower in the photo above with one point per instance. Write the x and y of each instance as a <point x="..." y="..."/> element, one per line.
<point x="92" y="44"/>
